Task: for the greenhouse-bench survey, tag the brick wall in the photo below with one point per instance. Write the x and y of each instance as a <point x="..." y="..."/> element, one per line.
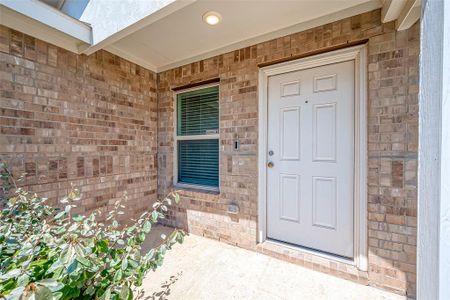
<point x="99" y="122"/>
<point x="393" y="139"/>
<point x="67" y="118"/>
<point x="392" y="135"/>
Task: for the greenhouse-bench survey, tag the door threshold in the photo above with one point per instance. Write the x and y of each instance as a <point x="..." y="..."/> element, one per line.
<point x="315" y="252"/>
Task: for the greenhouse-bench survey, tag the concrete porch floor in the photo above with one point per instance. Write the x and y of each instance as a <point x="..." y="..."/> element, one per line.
<point x="201" y="268"/>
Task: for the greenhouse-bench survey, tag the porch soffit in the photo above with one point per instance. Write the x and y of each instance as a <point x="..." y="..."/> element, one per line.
<point x="172" y="33"/>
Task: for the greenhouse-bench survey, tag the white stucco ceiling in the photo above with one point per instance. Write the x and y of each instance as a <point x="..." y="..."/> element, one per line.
<point x="182" y="36"/>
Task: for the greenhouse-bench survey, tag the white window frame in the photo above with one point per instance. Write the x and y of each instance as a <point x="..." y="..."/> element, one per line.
<point x="177" y="138"/>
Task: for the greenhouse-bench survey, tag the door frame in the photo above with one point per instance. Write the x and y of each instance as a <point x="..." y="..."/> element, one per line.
<point x="358" y="54"/>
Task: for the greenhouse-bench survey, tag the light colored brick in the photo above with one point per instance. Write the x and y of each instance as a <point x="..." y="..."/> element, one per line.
<point x="108" y="127"/>
<point x="77" y="129"/>
<point x="392" y="169"/>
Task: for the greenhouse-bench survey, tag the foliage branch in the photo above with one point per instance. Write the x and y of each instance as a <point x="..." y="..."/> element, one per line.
<point x="52" y="253"/>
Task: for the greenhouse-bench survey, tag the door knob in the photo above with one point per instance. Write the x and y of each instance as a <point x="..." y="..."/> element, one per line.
<point x="270" y="164"/>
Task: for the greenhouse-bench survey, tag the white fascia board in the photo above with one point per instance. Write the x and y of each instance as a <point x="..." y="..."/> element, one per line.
<point x="409" y="15"/>
<point x="14" y="20"/>
<point x="404" y="12"/>
<point x="391" y="10"/>
<point x="51" y="17"/>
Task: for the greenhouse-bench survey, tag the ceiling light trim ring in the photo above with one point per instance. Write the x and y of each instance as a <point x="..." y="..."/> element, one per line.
<point x="212" y="18"/>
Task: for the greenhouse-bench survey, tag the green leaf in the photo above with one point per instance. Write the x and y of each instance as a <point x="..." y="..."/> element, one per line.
<point x="10" y="274"/>
<point x="84" y="261"/>
<point x="131" y="229"/>
<point x="43" y="293"/>
<point x="23" y="280"/>
<point x="60" y="214"/>
<point x="70" y="292"/>
<point x="39" y="263"/>
<point x="118" y="275"/>
<point x="147" y="227"/>
<point x="78" y="218"/>
<point x="106" y="295"/>
<point x="155" y="216"/>
<point x="133" y="263"/>
<point x="73" y="258"/>
<point x="73" y="227"/>
<point x="54" y="266"/>
<point x="102" y="245"/>
<point x="72" y="267"/>
<point x="60" y="230"/>
<point x="124" y="292"/>
<point x="67" y="254"/>
<point x="130" y="294"/>
<point x="177" y="198"/>
<point x="124" y="264"/>
<point x="180" y="237"/>
<point x="51" y="284"/>
<point x="173" y="236"/>
<point x="163" y="249"/>
<point x="114" y="262"/>
<point x="16" y="293"/>
<point x="90" y="290"/>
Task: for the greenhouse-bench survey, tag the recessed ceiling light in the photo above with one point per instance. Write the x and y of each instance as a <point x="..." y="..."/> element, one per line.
<point x="212" y="18"/>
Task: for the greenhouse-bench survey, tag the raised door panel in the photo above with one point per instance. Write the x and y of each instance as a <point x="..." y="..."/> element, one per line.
<point x="324" y="132"/>
<point x="290" y="127"/>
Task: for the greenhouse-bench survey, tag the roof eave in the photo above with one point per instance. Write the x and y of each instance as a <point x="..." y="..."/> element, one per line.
<point x="46" y="23"/>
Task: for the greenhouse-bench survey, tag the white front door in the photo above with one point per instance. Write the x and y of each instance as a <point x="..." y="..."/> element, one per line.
<point x="310" y="175"/>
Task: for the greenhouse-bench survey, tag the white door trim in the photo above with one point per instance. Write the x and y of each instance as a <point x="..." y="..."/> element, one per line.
<point x="359" y="55"/>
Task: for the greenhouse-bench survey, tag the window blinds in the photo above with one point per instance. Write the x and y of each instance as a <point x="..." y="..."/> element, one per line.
<point x="198" y="115"/>
<point x="198" y="162"/>
<point x="198" y="112"/>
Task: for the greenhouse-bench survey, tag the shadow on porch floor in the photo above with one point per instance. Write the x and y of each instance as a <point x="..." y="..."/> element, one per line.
<point x="201" y="268"/>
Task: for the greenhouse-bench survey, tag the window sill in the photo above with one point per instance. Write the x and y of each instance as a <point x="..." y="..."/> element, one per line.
<point x="197" y="188"/>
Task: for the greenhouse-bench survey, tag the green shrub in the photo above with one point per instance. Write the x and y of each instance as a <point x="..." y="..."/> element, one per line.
<point x="50" y="253"/>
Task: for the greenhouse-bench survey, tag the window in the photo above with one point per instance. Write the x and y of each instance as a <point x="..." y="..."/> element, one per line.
<point x="197" y="138"/>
